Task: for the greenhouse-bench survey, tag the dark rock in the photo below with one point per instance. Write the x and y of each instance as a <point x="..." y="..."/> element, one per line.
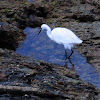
<point x="33" y="21"/>
<point x="22" y="13"/>
<point x="41" y="12"/>
<point x="27" y="77"/>
<point x="10" y="36"/>
<point x="84" y="18"/>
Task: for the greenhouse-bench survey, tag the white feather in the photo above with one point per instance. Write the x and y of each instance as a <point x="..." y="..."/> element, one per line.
<point x="62" y="36"/>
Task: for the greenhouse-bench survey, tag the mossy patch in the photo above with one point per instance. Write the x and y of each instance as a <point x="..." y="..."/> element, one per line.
<point x="7" y="11"/>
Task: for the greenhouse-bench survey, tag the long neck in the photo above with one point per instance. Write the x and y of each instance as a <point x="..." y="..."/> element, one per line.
<point x="48" y="31"/>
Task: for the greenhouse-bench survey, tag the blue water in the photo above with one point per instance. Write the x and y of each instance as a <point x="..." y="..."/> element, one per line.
<point x="31" y="0"/>
<point x="41" y="47"/>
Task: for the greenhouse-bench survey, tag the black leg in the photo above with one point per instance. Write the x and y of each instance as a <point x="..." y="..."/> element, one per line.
<point x="65" y="58"/>
<point x="66" y="54"/>
<point x="71" y="53"/>
<point x="71" y="63"/>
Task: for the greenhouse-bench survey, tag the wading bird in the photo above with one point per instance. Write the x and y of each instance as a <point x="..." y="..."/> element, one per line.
<point x="62" y="36"/>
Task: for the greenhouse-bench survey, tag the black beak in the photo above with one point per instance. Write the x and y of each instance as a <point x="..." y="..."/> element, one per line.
<point x="40" y="31"/>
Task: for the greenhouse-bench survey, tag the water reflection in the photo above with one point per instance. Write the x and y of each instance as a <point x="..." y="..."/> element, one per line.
<point x="42" y="48"/>
<point x="31" y="1"/>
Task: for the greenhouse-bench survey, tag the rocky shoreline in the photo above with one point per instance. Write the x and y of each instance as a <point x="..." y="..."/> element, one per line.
<point x="26" y="78"/>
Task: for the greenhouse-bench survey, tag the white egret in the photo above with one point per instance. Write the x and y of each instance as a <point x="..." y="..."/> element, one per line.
<point x="62" y="36"/>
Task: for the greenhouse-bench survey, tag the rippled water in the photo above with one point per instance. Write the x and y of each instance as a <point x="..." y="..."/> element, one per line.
<point x="41" y="47"/>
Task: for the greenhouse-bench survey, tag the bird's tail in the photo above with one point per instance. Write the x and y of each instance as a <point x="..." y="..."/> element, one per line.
<point x="80" y="41"/>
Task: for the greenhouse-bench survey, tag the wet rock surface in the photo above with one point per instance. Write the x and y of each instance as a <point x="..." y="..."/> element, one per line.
<point x="21" y="13"/>
<point x="23" y="76"/>
<point x="10" y="36"/>
<point x="26" y="78"/>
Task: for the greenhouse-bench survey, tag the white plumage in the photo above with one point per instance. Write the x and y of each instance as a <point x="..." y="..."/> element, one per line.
<point x="62" y="36"/>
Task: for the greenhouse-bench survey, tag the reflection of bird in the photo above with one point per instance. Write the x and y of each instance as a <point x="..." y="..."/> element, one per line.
<point x="62" y="36"/>
<point x="72" y="65"/>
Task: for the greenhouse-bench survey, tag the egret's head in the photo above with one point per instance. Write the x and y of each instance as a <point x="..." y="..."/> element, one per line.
<point x="43" y="26"/>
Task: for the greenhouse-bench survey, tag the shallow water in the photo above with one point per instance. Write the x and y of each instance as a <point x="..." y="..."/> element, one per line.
<point x="41" y="47"/>
<point x="31" y="1"/>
